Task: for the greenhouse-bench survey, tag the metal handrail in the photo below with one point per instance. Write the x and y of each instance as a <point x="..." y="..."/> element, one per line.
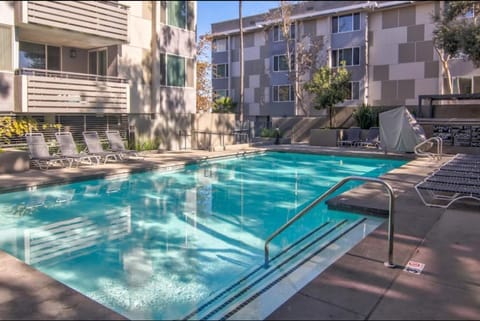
<point x="389" y="189"/>
<point x="439" y="153"/>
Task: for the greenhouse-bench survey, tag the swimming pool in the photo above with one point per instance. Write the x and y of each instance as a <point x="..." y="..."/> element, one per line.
<point x="179" y="244"/>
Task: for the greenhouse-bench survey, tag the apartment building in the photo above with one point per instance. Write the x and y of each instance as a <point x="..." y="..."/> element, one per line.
<point x="387" y="47"/>
<point x="97" y="65"/>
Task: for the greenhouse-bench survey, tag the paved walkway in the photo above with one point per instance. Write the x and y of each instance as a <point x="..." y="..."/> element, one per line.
<point x="357" y="286"/>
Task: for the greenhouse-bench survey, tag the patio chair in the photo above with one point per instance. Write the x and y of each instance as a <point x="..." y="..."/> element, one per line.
<point x="240" y="132"/>
<point x="448" y="192"/>
<point x="350" y="137"/>
<point x="94" y="147"/>
<point x="453" y="173"/>
<point x="117" y="145"/>
<point x="68" y="148"/>
<point x="461" y="167"/>
<point x="372" y="139"/>
<point x="455" y="179"/>
<point x="450" y="183"/>
<point x="40" y="155"/>
<point x="467" y="157"/>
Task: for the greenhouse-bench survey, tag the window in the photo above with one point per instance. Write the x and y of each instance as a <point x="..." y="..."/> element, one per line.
<point x="180" y="14"/>
<point x="346" y="23"/>
<point x="220" y="71"/>
<point x="6" y="61"/>
<point x="462" y="85"/>
<point x="470" y="13"/>
<point x="283" y="93"/>
<point x="177" y="13"/>
<point x="219" y="45"/>
<point x="37" y="56"/>
<point x="163" y="68"/>
<point x="278" y="33"/>
<point x="53" y="58"/>
<point x="220" y="93"/>
<point x="354" y="92"/>
<point x="280" y="63"/>
<point x="351" y="56"/>
<point x="97" y="62"/>
<point x="173" y="71"/>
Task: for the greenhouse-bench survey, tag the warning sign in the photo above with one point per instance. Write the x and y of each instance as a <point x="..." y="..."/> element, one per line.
<point x="414" y="267"/>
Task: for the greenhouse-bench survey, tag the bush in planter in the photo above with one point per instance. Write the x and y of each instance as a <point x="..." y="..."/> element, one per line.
<point x="269" y="132"/>
<point x="147" y="144"/>
<point x="224" y="105"/>
<point x="365" y="116"/>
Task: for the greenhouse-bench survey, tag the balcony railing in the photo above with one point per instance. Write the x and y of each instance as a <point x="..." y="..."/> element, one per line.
<point x="47" y="91"/>
<point x="101" y="18"/>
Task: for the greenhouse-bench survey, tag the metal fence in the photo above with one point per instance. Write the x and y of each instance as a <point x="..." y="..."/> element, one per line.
<point x="75" y="124"/>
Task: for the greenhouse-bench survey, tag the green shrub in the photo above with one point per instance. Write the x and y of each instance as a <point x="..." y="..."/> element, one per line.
<point x="365" y="116"/>
<point x="147" y="144"/>
<point x="269" y="132"/>
<point x="224" y="105"/>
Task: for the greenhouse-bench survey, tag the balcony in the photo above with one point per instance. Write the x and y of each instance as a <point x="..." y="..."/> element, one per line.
<point x="73" y="21"/>
<point x="43" y="91"/>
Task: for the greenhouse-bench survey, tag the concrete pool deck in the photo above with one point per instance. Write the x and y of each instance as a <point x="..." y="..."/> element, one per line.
<point x="357" y="286"/>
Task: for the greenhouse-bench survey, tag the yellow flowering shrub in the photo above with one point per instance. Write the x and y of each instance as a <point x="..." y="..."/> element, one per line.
<point x="16" y="127"/>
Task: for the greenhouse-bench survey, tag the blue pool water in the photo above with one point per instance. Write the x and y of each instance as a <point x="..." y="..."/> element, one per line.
<point x="158" y="245"/>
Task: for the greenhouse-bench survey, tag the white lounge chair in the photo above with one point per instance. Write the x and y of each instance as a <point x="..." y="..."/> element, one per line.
<point x="40" y="155"/>
<point x="68" y="148"/>
<point x="453" y="181"/>
<point x="94" y="147"/>
<point x="117" y="145"/>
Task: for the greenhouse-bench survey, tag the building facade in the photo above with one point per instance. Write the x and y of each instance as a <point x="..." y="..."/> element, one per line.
<point x="387" y="47"/>
<point x="97" y="65"/>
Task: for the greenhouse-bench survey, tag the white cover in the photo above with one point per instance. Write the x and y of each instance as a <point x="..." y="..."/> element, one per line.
<point x="399" y="131"/>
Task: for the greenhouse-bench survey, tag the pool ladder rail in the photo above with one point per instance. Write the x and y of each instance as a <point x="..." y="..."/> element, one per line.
<point x="434" y="139"/>
<point x="389" y="263"/>
<point x="251" y="285"/>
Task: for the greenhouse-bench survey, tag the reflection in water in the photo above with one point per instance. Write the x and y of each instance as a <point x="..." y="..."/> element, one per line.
<point x="69" y="238"/>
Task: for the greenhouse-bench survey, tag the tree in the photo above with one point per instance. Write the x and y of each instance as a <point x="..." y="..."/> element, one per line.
<point x="330" y="86"/>
<point x="242" y="103"/>
<point x="302" y="51"/>
<point x="457" y="32"/>
<point x="204" y="67"/>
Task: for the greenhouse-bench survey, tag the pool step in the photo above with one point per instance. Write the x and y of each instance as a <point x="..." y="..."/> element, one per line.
<point x="232" y="299"/>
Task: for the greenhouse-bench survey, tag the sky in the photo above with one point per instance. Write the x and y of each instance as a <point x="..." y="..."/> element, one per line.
<point x="209" y="12"/>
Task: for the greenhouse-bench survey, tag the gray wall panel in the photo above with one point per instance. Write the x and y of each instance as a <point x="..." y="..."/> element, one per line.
<point x="253" y="67"/>
<point x="348" y="39"/>
<point x="277" y="109"/>
<point x="248" y="40"/>
<point x="279" y="78"/>
<point x="219" y="57"/>
<point x="416" y="33"/>
<point x="220" y="83"/>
